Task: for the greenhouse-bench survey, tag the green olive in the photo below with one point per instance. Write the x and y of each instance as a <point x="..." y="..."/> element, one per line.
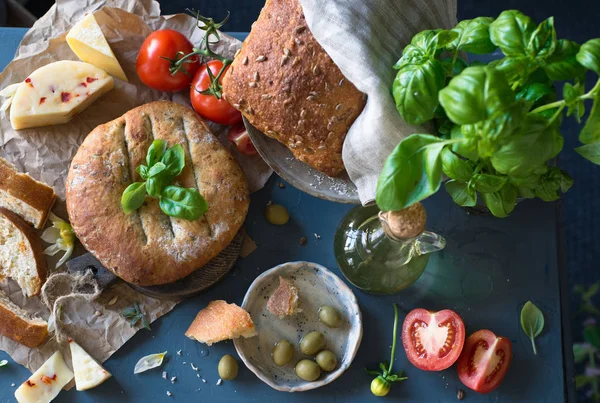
<point x="283" y="353"/>
<point x="308" y="370"/>
<point x="330" y="316"/>
<point x="277" y="214"/>
<point x="327" y="360"/>
<point x="228" y="368"/>
<point x="312" y="343"/>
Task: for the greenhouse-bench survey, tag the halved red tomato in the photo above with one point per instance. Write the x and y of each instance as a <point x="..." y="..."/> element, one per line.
<point x="238" y="135"/>
<point x="484" y="361"/>
<point x="432" y="340"/>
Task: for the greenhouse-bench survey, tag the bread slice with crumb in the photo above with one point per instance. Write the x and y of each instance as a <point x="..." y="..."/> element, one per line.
<point x="284" y="301"/>
<point x="23" y="195"/>
<point x="221" y="321"/>
<point x="17" y="325"/>
<point x="21" y="254"/>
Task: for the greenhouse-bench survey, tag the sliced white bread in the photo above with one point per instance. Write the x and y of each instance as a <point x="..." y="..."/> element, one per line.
<point x="88" y="372"/>
<point x="221" y="321"/>
<point x="17" y="325"/>
<point x="21" y="253"/>
<point x="28" y="198"/>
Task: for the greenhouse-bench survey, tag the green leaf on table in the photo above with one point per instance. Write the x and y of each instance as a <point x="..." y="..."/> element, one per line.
<point x="589" y="55"/>
<point x="562" y="65"/>
<point x="512" y="32"/>
<point x="455" y="167"/>
<point x="476" y="94"/>
<point x="461" y="193"/>
<point x="532" y="322"/>
<point x="184" y="203"/>
<point x="473" y="36"/>
<point x="486" y="183"/>
<point x="591" y="334"/>
<point x="581" y="352"/>
<point x="543" y="40"/>
<point x="155" y="152"/>
<point x="415" y="90"/>
<point x="590" y="152"/>
<point x="591" y="131"/>
<point x="582" y="380"/>
<point x="133" y="197"/>
<point x="411" y="173"/>
<point x="501" y="203"/>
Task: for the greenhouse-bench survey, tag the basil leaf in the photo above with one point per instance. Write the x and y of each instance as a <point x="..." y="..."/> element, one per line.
<point x="431" y="42"/>
<point x="486" y="183"/>
<point x="591" y="131"/>
<point x="532" y="322"/>
<point x="475" y="95"/>
<point x="411" y="55"/>
<point x="526" y="185"/>
<point x="142" y="170"/>
<point x="184" y="203"/>
<point x="530" y="147"/>
<point x="589" y="55"/>
<point x="416" y="89"/>
<point x="156" y="169"/>
<point x="513" y="68"/>
<point x="571" y="95"/>
<point x="590" y="152"/>
<point x="156" y="184"/>
<point x="133" y="197"/>
<point x="453" y="67"/>
<point x="466" y="147"/>
<point x="511" y="32"/>
<point x="411" y="173"/>
<point x="174" y="160"/>
<point x="580" y="352"/>
<point x="494" y="132"/>
<point x="461" y="193"/>
<point x="543" y="40"/>
<point x="454" y="167"/>
<point x="501" y="203"/>
<point x="473" y="36"/>
<point x="551" y="183"/>
<point x="155" y="152"/>
<point x="534" y="92"/>
<point x="591" y="334"/>
<point x="562" y="64"/>
<point x="583" y="380"/>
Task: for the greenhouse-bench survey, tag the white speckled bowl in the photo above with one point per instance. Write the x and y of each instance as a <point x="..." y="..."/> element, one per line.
<point x="317" y="286"/>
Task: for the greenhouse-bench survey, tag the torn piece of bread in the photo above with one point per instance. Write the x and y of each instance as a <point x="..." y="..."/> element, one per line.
<point x="17" y="324"/>
<point x="284" y="301"/>
<point x="21" y="253"/>
<point x="23" y="195"/>
<point x="221" y="321"/>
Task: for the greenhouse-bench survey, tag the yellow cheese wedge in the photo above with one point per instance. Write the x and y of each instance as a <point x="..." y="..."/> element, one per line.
<point x="88" y="373"/>
<point x="56" y="92"/>
<point x="46" y="383"/>
<point x="90" y="45"/>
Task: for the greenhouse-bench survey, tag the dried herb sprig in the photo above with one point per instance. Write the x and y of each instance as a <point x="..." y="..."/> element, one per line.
<point x="134" y="315"/>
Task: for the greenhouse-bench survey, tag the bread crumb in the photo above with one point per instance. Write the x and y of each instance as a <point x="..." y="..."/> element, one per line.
<point x="179" y="352"/>
<point x="173" y="379"/>
<point x="195" y="368"/>
<point x="169" y="393"/>
<point x="12" y="384"/>
<point x="164" y="375"/>
<point x="219" y="382"/>
<point x="317" y="236"/>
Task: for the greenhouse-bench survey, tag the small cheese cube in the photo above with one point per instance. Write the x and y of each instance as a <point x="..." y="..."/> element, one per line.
<point x="46" y="383"/>
<point x="56" y="92"/>
<point x="89" y="44"/>
<point x="88" y="373"/>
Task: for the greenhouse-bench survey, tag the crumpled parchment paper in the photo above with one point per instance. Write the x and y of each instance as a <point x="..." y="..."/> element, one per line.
<point x="46" y="152"/>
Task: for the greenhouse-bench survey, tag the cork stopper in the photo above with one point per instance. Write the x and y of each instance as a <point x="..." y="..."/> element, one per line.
<point x="406" y="223"/>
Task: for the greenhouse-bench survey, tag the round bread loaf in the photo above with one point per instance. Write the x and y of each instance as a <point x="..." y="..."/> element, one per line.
<point x="147" y="247"/>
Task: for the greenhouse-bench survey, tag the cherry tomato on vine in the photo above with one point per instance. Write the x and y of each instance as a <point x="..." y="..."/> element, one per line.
<point x="209" y="106"/>
<point x="154" y="71"/>
<point x="238" y="135"/>
<point x="432" y="340"/>
<point x="484" y="361"/>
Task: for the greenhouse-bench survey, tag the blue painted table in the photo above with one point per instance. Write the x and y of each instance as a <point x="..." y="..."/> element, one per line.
<point x="489" y="269"/>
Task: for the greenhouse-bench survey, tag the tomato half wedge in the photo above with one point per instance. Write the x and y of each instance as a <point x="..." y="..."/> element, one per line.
<point x="484" y="361"/>
<point x="432" y="340"/>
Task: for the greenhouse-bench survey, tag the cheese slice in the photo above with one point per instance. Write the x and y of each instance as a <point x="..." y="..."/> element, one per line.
<point x="46" y="383"/>
<point x="88" y="373"/>
<point x="89" y="44"/>
<point x="56" y="92"/>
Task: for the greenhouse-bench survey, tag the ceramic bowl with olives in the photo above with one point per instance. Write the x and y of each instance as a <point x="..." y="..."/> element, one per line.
<point x="311" y="348"/>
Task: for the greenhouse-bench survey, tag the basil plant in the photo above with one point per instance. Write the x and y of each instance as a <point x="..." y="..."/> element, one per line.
<point x="498" y="124"/>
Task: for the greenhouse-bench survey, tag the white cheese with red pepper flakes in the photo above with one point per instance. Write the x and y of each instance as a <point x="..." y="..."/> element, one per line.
<point x="88" y="373"/>
<point x="56" y="92"/>
<point x="89" y="44"/>
<point x="46" y="383"/>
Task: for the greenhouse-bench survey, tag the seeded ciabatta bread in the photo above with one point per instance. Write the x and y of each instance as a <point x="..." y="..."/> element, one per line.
<point x="221" y="321"/>
<point x="28" y="198"/>
<point x="147" y="247"/>
<point x="17" y="325"/>
<point x="287" y="86"/>
<point x="21" y="253"/>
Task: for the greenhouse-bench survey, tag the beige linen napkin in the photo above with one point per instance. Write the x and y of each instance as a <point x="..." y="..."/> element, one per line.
<point x="365" y="38"/>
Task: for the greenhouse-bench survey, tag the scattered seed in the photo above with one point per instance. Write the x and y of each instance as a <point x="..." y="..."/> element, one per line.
<point x="300" y="28"/>
<point x="219" y="382"/>
<point x="287" y="101"/>
<point x="195" y="368"/>
<point x="179" y="352"/>
<point x="460" y="395"/>
<point x="284" y="59"/>
<point x="237" y="52"/>
<point x="237" y="106"/>
<point x="250" y="111"/>
<point x="301" y="122"/>
<point x="256" y="76"/>
<point x="173" y="379"/>
<point x="298" y="138"/>
<point x="266" y="96"/>
<point x="198" y="375"/>
<point x="12" y="384"/>
<point x="113" y="300"/>
<point x="317" y="236"/>
<point x="287" y="52"/>
<point x="316" y="70"/>
<point x="322" y="147"/>
<point x="203" y="380"/>
<point x="303" y="241"/>
<point x="298" y="143"/>
<point x="303" y="113"/>
<point x="341" y="82"/>
<point x="311" y="98"/>
<point x="298" y="41"/>
<point x="252" y="84"/>
<point x="261" y="58"/>
<point x="245" y="61"/>
<point x="338" y="107"/>
<point x="271" y="133"/>
<point x="330" y="136"/>
<point x="309" y="150"/>
<point x="169" y="393"/>
<point x="314" y="93"/>
<point x="164" y="375"/>
<point x="281" y="185"/>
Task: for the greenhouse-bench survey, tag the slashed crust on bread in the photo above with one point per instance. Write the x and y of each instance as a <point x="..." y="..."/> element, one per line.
<point x="21" y="253"/>
<point x="147" y="247"/>
<point x="287" y="86"/>
<point x="17" y="325"/>
<point x="221" y="321"/>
